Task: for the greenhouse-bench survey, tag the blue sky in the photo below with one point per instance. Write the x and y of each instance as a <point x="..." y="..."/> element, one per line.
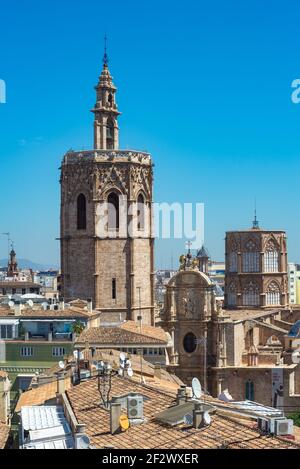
<point x="205" y="86"/>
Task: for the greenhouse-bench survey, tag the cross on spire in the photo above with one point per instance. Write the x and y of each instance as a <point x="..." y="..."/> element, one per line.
<point x="105" y="57"/>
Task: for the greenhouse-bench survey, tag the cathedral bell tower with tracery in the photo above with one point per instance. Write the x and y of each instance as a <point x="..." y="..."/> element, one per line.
<point x="107" y="245"/>
<point x="256" y="269"/>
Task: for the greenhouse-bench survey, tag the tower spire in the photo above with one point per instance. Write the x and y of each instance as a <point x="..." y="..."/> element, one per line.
<point x="105" y="56"/>
<point x="255" y="221"/>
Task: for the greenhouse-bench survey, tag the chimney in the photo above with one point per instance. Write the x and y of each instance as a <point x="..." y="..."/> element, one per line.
<point x="61" y="383"/>
<point x="198" y="414"/>
<point x="61" y="303"/>
<point x="90" y="305"/>
<point x="115" y="414"/>
<point x="157" y="371"/>
<point x="181" y="395"/>
<point x="18" y="308"/>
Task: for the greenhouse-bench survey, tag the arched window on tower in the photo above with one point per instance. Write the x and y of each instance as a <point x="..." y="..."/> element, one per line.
<point x="141" y="213"/>
<point x="273" y="294"/>
<point x="110" y="100"/>
<point x="81" y="212"/>
<point x="110" y="132"/>
<point x="271" y="257"/>
<point x="233" y="261"/>
<point x="251" y="295"/>
<point x="231" y="296"/>
<point x="251" y="257"/>
<point x="113" y="211"/>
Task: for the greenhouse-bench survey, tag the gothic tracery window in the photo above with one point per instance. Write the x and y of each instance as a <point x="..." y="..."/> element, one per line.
<point x="113" y="211"/>
<point x="81" y="212"/>
<point x="233" y="262"/>
<point x="231" y="297"/>
<point x="271" y="257"/>
<point x="273" y="294"/>
<point x="251" y="295"/>
<point x="251" y="257"/>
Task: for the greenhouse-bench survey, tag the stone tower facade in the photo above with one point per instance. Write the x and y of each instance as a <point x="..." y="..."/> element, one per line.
<point x="189" y="316"/>
<point x="107" y="246"/>
<point x="256" y="269"/>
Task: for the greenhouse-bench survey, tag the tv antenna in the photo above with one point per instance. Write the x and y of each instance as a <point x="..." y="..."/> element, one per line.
<point x="125" y="366"/>
<point x="296" y="356"/>
<point x="197" y="389"/>
<point x="61" y="365"/>
<point x="188" y="419"/>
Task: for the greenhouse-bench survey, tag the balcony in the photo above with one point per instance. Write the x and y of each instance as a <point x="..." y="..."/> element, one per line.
<point x="50" y="337"/>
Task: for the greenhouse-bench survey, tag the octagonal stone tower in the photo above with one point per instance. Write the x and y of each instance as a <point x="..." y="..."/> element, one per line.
<point x="107" y="245"/>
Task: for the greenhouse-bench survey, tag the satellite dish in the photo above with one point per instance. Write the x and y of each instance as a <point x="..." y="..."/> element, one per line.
<point x="122" y="357"/>
<point x="188" y="419"/>
<point x="120" y="372"/>
<point x="11" y="304"/>
<point x="30" y="303"/>
<point x="124" y="423"/>
<point x="61" y="365"/>
<point x="196" y="387"/>
<point x="130" y="372"/>
<point x="83" y="442"/>
<point x="128" y="363"/>
<point x="207" y="418"/>
<point x="45" y="306"/>
<point x="296" y="356"/>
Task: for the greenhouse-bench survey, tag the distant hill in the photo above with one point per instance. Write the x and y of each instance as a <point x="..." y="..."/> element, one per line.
<point x="27" y="264"/>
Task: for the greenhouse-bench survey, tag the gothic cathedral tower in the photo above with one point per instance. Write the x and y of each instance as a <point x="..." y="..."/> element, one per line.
<point x="107" y="245"/>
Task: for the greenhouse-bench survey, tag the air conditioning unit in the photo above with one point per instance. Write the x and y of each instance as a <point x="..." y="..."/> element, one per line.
<point x="135" y="405"/>
<point x="284" y="427"/>
<point x="276" y="426"/>
<point x="85" y="374"/>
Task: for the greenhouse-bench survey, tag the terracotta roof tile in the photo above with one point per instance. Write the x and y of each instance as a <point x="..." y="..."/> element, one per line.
<point x="40" y="395"/>
<point x="121" y="336"/>
<point x="223" y="431"/>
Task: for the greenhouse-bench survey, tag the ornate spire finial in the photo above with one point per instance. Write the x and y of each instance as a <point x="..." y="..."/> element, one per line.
<point x="105" y="57"/>
<point x="255" y="221"/>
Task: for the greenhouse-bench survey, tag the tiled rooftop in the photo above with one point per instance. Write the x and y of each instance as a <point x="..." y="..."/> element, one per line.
<point x="40" y="395"/>
<point x="223" y="431"/>
<point x="41" y="313"/>
<point x="125" y="334"/>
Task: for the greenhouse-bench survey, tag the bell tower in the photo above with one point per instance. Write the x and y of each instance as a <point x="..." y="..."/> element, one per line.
<point x="107" y="240"/>
<point x="106" y="130"/>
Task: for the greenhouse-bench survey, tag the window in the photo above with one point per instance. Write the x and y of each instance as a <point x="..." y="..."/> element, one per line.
<point x="233" y="262"/>
<point x="250" y="390"/>
<point x="23" y="291"/>
<point x="81" y="212"/>
<point x="273" y="294"/>
<point x="26" y="351"/>
<point x="114" y="289"/>
<point x="113" y="211"/>
<point x="141" y="213"/>
<point x="251" y="295"/>
<point x="271" y="263"/>
<point x="231" y="297"/>
<point x="6" y="332"/>
<point x="251" y="258"/>
<point x="110" y="131"/>
<point x="58" y="352"/>
<point x="189" y="343"/>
